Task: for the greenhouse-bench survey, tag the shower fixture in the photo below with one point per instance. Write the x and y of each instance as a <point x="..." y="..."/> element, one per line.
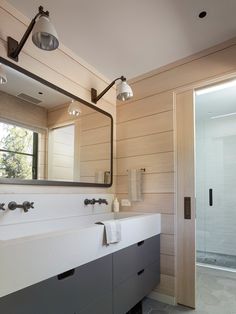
<point x="123" y="93"/>
<point x="44" y="35"/>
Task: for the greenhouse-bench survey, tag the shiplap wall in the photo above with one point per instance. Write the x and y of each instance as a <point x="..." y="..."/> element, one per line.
<point x="95" y="132"/>
<point x="145" y="139"/>
<point x="16" y="110"/>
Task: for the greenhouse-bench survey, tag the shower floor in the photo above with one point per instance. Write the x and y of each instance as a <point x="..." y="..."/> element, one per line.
<point x="216" y="259"/>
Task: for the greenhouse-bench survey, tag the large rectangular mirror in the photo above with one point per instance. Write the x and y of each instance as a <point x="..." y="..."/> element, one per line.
<point x="43" y="142"/>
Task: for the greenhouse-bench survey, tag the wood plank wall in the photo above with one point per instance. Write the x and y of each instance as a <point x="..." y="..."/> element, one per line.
<point x="145" y="139"/>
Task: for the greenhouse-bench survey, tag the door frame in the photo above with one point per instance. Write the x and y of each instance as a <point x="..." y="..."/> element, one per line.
<point x="184" y="141"/>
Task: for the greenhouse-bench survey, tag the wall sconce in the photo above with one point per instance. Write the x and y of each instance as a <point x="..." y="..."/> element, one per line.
<point x="74" y="109"/>
<point x="3" y="76"/>
<point x="44" y="35"/>
<point x="123" y="92"/>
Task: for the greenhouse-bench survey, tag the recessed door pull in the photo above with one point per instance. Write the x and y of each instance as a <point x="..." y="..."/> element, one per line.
<point x="66" y="274"/>
<point x="210" y="197"/>
<point x="140" y="272"/>
<point x="187" y="207"/>
<point x="140" y="243"/>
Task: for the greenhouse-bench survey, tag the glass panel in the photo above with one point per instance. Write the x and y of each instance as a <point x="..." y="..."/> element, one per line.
<point x="15" y="166"/>
<point x="216" y="172"/>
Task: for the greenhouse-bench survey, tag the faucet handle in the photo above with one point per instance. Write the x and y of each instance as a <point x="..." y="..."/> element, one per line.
<point x="27" y="205"/>
<point x="2" y="206"/>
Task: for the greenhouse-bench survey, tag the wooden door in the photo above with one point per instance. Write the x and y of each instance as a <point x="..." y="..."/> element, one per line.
<point x="185" y="187"/>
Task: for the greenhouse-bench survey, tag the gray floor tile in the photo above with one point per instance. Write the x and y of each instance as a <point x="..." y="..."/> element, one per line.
<point x="216" y="294"/>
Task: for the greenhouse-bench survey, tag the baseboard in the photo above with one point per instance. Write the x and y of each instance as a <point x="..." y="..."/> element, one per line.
<point x="162" y="298"/>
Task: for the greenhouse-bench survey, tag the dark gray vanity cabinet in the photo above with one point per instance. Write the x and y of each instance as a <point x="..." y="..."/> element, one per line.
<point x="86" y="289"/>
<point x="109" y="285"/>
<point x="136" y="271"/>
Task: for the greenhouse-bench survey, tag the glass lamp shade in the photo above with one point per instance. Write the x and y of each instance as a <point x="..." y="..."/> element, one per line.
<point x="3" y="77"/>
<point x="44" y="35"/>
<point x="124" y="91"/>
<point x="74" y="109"/>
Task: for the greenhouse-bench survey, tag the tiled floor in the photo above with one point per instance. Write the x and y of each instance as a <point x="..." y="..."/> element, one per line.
<point x="216" y="294"/>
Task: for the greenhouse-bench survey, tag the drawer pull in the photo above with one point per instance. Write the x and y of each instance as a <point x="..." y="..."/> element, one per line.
<point x="140" y="272"/>
<point x="140" y="243"/>
<point x="66" y="274"/>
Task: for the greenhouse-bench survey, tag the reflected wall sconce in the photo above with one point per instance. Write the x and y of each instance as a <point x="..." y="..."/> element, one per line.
<point x="123" y="91"/>
<point x="44" y="35"/>
<point x="74" y="109"/>
<point x="3" y="76"/>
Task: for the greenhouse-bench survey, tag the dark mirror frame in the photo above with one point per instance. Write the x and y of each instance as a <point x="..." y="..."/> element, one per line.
<point x="84" y="102"/>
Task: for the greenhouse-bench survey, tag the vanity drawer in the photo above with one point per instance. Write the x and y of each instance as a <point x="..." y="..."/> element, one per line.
<point x="133" y="290"/>
<point x="68" y="293"/>
<point x="130" y="260"/>
<point x="91" y="282"/>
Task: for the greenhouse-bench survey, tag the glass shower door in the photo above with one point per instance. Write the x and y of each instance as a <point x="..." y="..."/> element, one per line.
<point x="216" y="177"/>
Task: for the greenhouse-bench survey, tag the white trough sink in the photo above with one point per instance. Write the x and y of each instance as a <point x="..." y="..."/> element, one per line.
<point x="35" y="251"/>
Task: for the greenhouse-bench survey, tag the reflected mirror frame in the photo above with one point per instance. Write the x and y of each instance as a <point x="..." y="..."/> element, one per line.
<point x="84" y="102"/>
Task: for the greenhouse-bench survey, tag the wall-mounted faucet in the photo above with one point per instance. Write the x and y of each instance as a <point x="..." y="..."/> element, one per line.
<point x="25" y="206"/>
<point x="2" y="206"/>
<point x="93" y="201"/>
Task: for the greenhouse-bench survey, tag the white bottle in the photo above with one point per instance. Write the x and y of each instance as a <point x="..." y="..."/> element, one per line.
<point x="116" y="205"/>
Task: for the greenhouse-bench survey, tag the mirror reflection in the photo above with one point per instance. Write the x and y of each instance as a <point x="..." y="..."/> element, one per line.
<point x="46" y="135"/>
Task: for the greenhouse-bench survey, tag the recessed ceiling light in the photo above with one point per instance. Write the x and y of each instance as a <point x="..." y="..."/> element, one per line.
<point x="202" y="14"/>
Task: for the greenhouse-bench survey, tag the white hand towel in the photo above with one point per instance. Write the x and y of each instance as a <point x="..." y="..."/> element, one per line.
<point x="134" y="185"/>
<point x="99" y="176"/>
<point x="112" y="230"/>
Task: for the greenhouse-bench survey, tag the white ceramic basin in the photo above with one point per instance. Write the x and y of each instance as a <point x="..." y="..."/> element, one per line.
<point x="35" y="251"/>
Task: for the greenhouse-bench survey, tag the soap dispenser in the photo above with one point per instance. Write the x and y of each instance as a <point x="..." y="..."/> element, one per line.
<point x="116" y="206"/>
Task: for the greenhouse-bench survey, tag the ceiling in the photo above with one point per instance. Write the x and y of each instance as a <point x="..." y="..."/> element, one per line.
<point x="136" y="36"/>
<point x="18" y="83"/>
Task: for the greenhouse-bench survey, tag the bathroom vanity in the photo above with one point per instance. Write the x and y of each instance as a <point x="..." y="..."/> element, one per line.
<point x="103" y="279"/>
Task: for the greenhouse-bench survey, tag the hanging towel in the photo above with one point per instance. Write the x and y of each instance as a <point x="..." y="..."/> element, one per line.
<point x="135" y="185"/>
<point x="99" y="176"/>
<point x="112" y="230"/>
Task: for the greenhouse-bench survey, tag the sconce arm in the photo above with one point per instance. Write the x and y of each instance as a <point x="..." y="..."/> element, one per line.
<point x="14" y="48"/>
<point x="95" y="97"/>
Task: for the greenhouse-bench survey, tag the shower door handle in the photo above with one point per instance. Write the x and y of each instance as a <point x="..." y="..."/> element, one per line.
<point x="210" y="197"/>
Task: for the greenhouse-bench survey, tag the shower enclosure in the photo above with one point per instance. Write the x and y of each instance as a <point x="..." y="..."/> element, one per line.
<point x="215" y="138"/>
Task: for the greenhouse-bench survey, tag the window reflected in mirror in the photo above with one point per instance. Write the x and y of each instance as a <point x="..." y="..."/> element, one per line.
<point x="18" y="152"/>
